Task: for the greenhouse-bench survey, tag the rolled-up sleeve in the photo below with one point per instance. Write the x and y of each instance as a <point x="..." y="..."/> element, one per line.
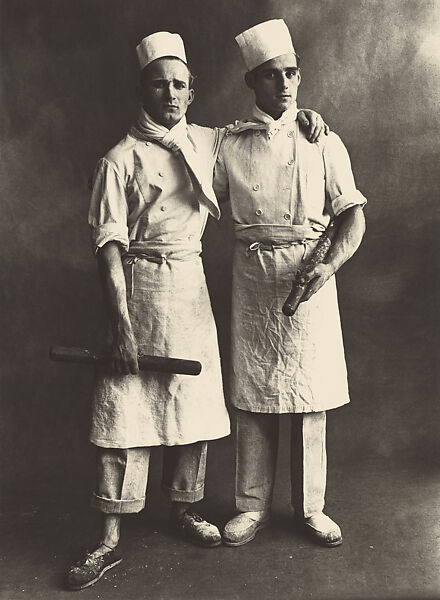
<point x="108" y="207"/>
<point x="341" y="191"/>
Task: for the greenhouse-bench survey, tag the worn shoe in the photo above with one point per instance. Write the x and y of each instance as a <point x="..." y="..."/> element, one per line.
<point x="323" y="530"/>
<point x="91" y="568"/>
<point x="243" y="527"/>
<point x="195" y="529"/>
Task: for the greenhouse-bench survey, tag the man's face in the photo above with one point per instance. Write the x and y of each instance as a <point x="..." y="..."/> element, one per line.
<point x="275" y="84"/>
<point x="165" y="91"/>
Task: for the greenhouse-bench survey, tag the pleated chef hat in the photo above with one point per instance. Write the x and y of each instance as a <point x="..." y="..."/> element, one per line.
<point x="158" y="45"/>
<point x="264" y="42"/>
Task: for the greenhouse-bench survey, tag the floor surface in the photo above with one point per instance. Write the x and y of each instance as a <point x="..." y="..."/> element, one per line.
<point x="389" y="517"/>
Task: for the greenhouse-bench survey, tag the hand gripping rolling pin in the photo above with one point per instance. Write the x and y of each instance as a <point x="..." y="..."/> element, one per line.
<point x="179" y="366"/>
<point x="299" y="286"/>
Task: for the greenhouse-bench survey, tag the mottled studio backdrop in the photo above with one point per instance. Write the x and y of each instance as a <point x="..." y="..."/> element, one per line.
<point x="68" y="68"/>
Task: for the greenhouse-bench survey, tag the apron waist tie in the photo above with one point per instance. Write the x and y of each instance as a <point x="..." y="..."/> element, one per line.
<point x="131" y="259"/>
<point x="261" y="246"/>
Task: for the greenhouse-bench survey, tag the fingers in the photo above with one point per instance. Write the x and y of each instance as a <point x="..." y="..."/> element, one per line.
<point x="125" y="366"/>
<point x="307" y="276"/>
<point x="303" y="120"/>
<point x="313" y="123"/>
<point x="321" y="129"/>
<point x="120" y="366"/>
<point x="316" y="128"/>
<point x="315" y="285"/>
<point x="133" y="366"/>
<point x="312" y="288"/>
<point x="314" y="280"/>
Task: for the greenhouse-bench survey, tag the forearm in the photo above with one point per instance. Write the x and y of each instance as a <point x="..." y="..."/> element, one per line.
<point x="350" y="231"/>
<point x="124" y="349"/>
<point x="114" y="287"/>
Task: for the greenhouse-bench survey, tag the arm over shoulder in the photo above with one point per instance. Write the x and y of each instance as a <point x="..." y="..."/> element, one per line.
<point x="207" y="139"/>
<point x="221" y="181"/>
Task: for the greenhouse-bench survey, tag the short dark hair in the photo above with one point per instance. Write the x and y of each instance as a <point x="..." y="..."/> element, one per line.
<point x="144" y="72"/>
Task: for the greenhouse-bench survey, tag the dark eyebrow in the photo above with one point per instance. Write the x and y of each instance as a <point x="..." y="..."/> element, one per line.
<point x="157" y="79"/>
<point x="267" y="71"/>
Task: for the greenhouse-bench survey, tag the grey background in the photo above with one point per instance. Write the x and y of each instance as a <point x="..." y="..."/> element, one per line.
<point x="69" y="74"/>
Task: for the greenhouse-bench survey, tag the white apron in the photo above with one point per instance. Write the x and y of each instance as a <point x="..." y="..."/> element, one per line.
<point x="144" y="199"/>
<point x="282" y="364"/>
<point x="283" y="192"/>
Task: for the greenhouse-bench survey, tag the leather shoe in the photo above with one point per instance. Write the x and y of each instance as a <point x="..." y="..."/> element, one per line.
<point x="195" y="529"/>
<point x="323" y="530"/>
<point x="91" y="568"/>
<point x="243" y="527"/>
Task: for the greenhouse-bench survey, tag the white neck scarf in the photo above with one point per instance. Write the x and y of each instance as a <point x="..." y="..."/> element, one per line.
<point x="263" y="121"/>
<point x="176" y="139"/>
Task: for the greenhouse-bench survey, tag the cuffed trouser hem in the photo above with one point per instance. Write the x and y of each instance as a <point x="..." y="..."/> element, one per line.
<point x="184" y="496"/>
<point x="118" y="507"/>
<point x="184" y="472"/>
<point x="122" y="476"/>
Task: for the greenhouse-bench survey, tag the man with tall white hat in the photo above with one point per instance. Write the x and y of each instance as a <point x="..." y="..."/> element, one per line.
<point x="151" y="198"/>
<point x="152" y="195"/>
<point x="284" y="192"/>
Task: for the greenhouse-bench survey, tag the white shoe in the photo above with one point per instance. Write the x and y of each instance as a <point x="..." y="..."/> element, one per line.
<point x="243" y="527"/>
<point x="323" y="530"/>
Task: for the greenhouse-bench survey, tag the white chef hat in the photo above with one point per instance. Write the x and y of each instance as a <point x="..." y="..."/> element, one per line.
<point x="264" y="42"/>
<point x="158" y="45"/>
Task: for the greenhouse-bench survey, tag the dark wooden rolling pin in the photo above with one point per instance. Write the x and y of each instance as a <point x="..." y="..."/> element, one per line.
<point x="179" y="366"/>
<point x="317" y="256"/>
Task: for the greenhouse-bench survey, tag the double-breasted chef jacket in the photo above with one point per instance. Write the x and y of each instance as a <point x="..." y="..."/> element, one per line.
<point x="283" y="192"/>
<point x="144" y="199"/>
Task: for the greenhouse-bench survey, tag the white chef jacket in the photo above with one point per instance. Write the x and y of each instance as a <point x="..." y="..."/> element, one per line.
<point x="144" y="199"/>
<point x="283" y="192"/>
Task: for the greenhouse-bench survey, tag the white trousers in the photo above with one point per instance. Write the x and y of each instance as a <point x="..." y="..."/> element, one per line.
<point x="256" y="456"/>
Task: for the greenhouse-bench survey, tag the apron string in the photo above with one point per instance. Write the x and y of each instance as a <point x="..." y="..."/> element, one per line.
<point x="259" y="246"/>
<point x="131" y="259"/>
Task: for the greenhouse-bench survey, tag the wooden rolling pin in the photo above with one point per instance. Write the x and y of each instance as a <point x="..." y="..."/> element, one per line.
<point x="317" y="256"/>
<point x="162" y="364"/>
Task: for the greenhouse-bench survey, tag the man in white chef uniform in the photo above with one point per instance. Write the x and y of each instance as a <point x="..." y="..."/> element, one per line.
<point x="152" y="195"/>
<point x="151" y="198"/>
<point x="284" y="192"/>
